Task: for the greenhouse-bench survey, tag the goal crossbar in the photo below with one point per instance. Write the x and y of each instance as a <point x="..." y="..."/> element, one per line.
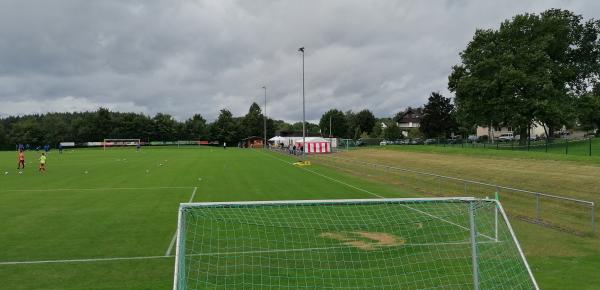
<point x="322" y="201"/>
<point x="192" y="249"/>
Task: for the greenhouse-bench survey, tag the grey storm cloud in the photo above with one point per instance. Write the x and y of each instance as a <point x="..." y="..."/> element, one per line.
<point x="186" y="57"/>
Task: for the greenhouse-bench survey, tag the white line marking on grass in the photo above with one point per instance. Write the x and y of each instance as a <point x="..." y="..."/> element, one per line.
<point x="377" y="195"/>
<point x="100" y="188"/>
<point x="228" y="253"/>
<point x="168" y="252"/>
<point x="82" y="260"/>
<point x="193" y="194"/>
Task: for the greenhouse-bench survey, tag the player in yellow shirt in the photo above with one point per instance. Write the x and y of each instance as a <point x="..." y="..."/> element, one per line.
<point x="43" y="162"/>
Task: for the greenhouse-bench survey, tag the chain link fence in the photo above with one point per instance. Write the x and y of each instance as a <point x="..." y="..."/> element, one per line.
<point x="581" y="147"/>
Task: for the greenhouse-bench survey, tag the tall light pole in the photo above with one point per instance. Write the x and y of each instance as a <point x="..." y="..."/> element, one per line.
<point x="329" y="128"/>
<point x="303" y="109"/>
<point x="265" y="118"/>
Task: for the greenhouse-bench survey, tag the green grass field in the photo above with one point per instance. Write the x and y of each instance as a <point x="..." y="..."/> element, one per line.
<point x="92" y="207"/>
<point x="126" y="206"/>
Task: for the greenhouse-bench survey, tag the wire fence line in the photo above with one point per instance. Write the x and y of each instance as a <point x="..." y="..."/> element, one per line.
<point x="561" y="212"/>
<point x="581" y="147"/>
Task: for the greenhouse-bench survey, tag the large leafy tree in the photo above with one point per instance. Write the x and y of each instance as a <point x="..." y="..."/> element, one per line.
<point x="165" y="127"/>
<point x="339" y="124"/>
<point x="364" y="121"/>
<point x="196" y="128"/>
<point x="532" y="69"/>
<point x="353" y="130"/>
<point x="226" y="128"/>
<point x="253" y="123"/>
<point x="438" y="117"/>
<point x="588" y="109"/>
<point x="103" y="124"/>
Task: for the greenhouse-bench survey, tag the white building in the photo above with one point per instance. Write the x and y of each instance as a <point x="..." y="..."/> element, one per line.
<point x="411" y="120"/>
<point x="536" y="130"/>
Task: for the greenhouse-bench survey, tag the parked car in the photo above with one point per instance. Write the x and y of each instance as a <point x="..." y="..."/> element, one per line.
<point x="506" y="137"/>
<point x="472" y="138"/>
<point x="383" y="143"/>
<point x="416" y="141"/>
<point x="430" y="141"/>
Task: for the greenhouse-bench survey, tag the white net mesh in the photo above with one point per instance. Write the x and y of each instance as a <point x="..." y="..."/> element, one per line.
<point x="381" y="244"/>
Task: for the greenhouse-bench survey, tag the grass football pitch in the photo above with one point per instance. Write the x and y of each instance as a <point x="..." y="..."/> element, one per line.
<point x="106" y="219"/>
<point x="105" y="205"/>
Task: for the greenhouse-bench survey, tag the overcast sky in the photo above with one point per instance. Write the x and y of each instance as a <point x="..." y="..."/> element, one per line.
<point x="185" y="57"/>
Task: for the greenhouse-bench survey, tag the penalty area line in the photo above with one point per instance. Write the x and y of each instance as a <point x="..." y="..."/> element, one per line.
<point x="170" y="248"/>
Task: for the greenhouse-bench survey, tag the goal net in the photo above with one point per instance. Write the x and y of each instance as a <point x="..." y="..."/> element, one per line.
<point x="429" y="243"/>
<point x="108" y="143"/>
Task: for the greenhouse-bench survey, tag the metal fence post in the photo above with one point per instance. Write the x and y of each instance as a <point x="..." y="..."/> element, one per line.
<point x="537" y="206"/>
<point x="593" y="218"/>
<point x="474" y="245"/>
<point x="497" y="198"/>
<point x="567" y="146"/>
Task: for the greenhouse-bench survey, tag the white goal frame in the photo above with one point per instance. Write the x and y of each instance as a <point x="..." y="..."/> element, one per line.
<point x="499" y="213"/>
<point x="133" y="140"/>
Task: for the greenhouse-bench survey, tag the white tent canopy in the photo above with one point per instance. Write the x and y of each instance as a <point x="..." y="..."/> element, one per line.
<point x="278" y="139"/>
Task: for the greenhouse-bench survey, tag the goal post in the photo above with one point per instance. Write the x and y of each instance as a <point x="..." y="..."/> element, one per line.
<point x="400" y="243"/>
<point x="108" y="143"/>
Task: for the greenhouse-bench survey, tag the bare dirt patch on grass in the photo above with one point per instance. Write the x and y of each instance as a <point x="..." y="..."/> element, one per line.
<point x="367" y="241"/>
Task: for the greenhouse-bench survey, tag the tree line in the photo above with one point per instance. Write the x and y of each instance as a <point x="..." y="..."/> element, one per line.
<point x="53" y="128"/>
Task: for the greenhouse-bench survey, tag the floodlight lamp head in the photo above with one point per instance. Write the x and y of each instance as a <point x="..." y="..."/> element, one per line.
<point x="301" y="49"/>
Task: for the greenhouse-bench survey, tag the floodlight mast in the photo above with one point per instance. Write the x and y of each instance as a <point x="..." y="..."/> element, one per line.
<point x="265" y="118"/>
<point x="303" y="107"/>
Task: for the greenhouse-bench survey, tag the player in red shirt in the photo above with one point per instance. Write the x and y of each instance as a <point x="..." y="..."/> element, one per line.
<point x="21" y="159"/>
